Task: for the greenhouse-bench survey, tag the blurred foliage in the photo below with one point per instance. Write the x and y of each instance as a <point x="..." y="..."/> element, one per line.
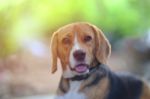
<point x="23" y="19"/>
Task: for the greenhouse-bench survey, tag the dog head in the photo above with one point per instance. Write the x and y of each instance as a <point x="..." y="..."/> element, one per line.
<point x="79" y="46"/>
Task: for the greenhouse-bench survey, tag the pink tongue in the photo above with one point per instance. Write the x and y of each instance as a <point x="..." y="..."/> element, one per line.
<point x="81" y="68"/>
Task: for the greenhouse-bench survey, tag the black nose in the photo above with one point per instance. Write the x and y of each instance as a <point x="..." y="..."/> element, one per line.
<point x="79" y="55"/>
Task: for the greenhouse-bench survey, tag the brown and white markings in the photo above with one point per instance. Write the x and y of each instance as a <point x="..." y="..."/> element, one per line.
<point x="83" y="51"/>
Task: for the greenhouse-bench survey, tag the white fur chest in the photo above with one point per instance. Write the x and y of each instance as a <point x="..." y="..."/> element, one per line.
<point x="73" y="91"/>
<point x="74" y="86"/>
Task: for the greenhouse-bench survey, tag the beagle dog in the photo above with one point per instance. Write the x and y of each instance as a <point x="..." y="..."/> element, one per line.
<point x="83" y="51"/>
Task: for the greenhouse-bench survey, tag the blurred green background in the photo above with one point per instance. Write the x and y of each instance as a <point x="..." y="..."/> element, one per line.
<point x="21" y="19"/>
<point x="27" y="25"/>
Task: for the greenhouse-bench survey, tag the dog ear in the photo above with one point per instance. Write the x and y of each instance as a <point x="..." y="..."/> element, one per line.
<point x="54" y="53"/>
<point x="102" y="46"/>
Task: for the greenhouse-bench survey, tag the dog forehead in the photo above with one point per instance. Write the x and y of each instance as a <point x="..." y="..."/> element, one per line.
<point x="74" y="29"/>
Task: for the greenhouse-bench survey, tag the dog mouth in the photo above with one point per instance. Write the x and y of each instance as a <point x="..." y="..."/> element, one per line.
<point x="81" y="68"/>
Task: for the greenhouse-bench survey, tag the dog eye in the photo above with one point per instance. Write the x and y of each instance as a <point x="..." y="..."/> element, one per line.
<point x="66" y="41"/>
<point x="87" y="38"/>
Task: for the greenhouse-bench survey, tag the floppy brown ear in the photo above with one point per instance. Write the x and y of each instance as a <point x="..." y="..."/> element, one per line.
<point x="54" y="53"/>
<point x="102" y="46"/>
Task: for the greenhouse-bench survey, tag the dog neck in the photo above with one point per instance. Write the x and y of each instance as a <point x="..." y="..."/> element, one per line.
<point x="93" y="77"/>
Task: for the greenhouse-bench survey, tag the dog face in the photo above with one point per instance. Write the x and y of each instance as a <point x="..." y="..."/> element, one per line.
<point x="79" y="46"/>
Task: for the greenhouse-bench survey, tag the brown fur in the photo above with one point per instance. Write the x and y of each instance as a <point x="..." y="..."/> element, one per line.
<point x="98" y="50"/>
<point x="146" y="91"/>
<point x="65" y="84"/>
<point x="96" y="92"/>
<point x="101" y="48"/>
